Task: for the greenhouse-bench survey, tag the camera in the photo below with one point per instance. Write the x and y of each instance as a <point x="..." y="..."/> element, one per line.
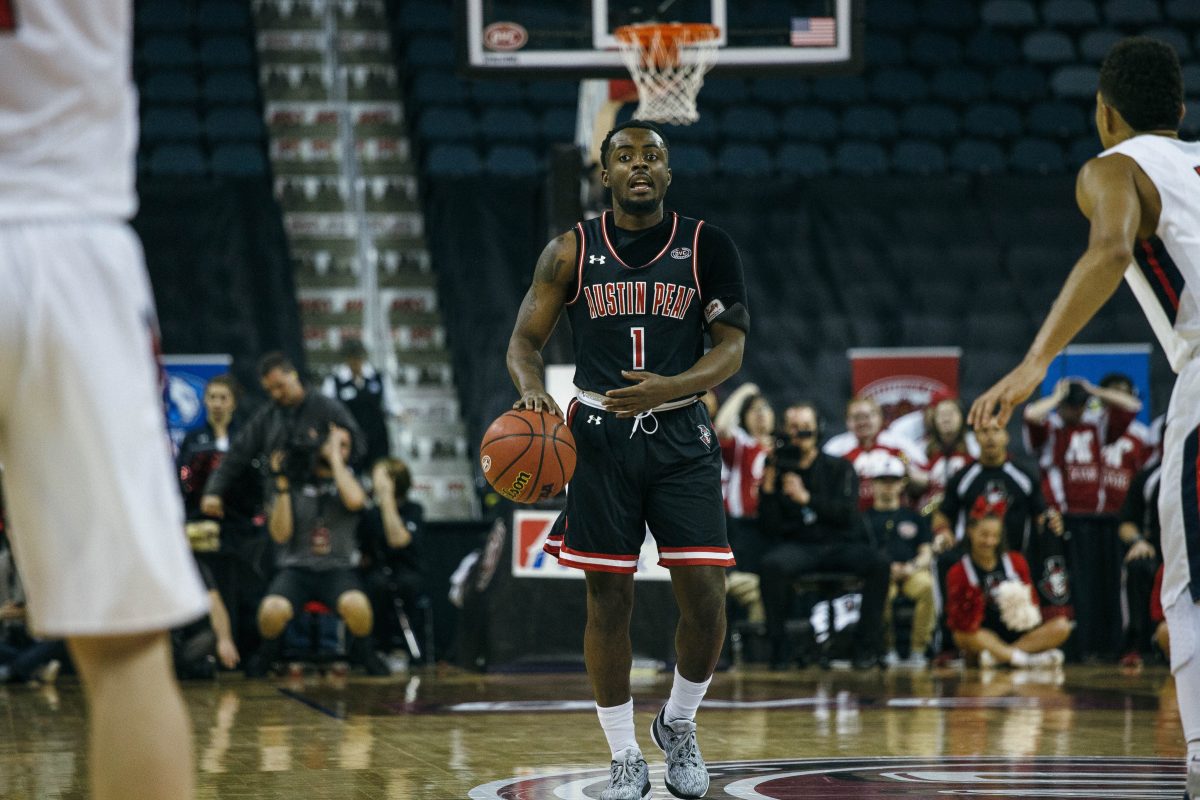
<point x="785" y="457"/>
<point x="303" y="449"/>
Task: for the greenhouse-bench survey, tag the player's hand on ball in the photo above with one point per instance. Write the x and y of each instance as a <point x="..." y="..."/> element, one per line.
<point x="538" y="401"/>
<point x="647" y="392"/>
<point x="995" y="406"/>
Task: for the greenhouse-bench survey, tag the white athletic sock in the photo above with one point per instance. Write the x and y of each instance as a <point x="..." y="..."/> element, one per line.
<point x="685" y="698"/>
<point x="1019" y="658"/>
<point x="617" y="722"/>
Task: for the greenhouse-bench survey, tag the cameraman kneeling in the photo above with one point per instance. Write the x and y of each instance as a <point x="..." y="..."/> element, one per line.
<point x="314" y="525"/>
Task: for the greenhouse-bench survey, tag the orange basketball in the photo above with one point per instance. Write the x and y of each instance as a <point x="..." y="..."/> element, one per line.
<point x="527" y="456"/>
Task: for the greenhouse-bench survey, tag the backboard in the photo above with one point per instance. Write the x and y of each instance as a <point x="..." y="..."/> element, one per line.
<point x="574" y="38"/>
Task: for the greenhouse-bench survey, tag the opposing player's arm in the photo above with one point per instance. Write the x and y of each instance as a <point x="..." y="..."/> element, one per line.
<point x="1107" y="194"/>
<point x="543" y="304"/>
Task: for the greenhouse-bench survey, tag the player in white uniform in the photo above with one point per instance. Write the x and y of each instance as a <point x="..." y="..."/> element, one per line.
<point x="1142" y="196"/>
<point x="96" y="518"/>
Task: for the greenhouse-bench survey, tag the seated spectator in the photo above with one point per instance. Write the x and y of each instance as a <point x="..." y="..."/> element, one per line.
<point x="864" y="436"/>
<point x="363" y="390"/>
<point x="809" y="514"/>
<point x="1139" y="533"/>
<point x="905" y="537"/>
<point x="315" y="525"/>
<point x="948" y="447"/>
<point x="391" y="532"/>
<point x="992" y="608"/>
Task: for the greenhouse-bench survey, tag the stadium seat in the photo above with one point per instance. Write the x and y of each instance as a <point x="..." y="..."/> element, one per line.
<point x="706" y="129"/>
<point x="239" y="160"/>
<point x="1070" y="14"/>
<point x="553" y="93"/>
<point x="745" y="160"/>
<point x="992" y="121"/>
<point x="222" y="16"/>
<point x="916" y="157"/>
<point x="224" y="52"/>
<point x="512" y="160"/>
<point x="990" y="48"/>
<point x="427" y="17"/>
<point x="1037" y="156"/>
<point x="931" y="330"/>
<point x="949" y="15"/>
<point x="431" y="87"/>
<point x="869" y="122"/>
<point x="1048" y="47"/>
<point x="498" y="93"/>
<point x="451" y="160"/>
<point x="724" y="91"/>
<point x="558" y="124"/>
<point x="167" y="52"/>
<point x="1132" y="12"/>
<point x="169" y="88"/>
<point x="1056" y="119"/>
<point x="1075" y="82"/>
<point x="860" y="158"/>
<point x="1094" y="45"/>
<point x="1174" y="37"/>
<point x="959" y="85"/>
<point x="884" y="51"/>
<point x="1009" y="14"/>
<point x="940" y="294"/>
<point x="779" y="91"/>
<point x="1083" y="149"/>
<point x="1183" y="11"/>
<point x="899" y="86"/>
<point x="233" y="125"/>
<point x="177" y="160"/>
<point x="230" y="88"/>
<point x="170" y="125"/>
<point x="804" y="160"/>
<point x="430" y="52"/>
<point x="809" y="123"/>
<point x="1019" y="83"/>
<point x="165" y="16"/>
<point x="690" y="159"/>
<point x="753" y="123"/>
<point x="932" y="49"/>
<point x="977" y="157"/>
<point x="447" y="124"/>
<point x="892" y="15"/>
<point x="1191" y="79"/>
<point x="842" y="90"/>
<point x="503" y="124"/>
<point x="930" y="121"/>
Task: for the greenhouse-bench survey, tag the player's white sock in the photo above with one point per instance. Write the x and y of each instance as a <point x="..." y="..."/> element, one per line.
<point x="1187" y="690"/>
<point x="685" y="698"/>
<point x="617" y="722"/>
<point x="1019" y="658"/>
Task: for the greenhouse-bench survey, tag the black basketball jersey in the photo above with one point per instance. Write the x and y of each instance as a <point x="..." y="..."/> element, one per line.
<point x="635" y="316"/>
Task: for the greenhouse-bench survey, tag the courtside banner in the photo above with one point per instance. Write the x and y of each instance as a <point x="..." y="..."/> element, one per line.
<point x="1093" y="362"/>
<point x="904" y="379"/>
<point x="186" y="378"/>
<point x="530" y="528"/>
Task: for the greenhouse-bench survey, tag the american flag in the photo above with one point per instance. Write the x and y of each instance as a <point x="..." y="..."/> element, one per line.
<point x="814" y="32"/>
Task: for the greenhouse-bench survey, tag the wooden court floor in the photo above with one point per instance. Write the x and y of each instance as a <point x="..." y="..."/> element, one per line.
<point x="1086" y="732"/>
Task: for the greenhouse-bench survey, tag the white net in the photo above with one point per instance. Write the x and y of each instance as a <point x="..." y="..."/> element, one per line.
<point x="668" y="63"/>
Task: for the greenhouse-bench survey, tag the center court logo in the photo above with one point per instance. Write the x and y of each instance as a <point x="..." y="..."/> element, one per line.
<point x="1099" y="778"/>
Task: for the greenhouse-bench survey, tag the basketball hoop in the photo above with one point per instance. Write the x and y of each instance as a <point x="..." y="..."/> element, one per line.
<point x="668" y="62"/>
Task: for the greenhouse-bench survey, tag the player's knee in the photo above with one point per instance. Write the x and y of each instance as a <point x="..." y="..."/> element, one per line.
<point x="1060" y="628"/>
<point x="355" y="609"/>
<point x="273" y="615"/>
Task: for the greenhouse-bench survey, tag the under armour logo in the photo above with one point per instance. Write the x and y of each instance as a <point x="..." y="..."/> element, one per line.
<point x="595" y="259"/>
<point x="593" y="419"/>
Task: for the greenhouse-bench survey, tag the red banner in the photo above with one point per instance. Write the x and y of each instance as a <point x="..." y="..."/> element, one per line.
<point x="904" y="379"/>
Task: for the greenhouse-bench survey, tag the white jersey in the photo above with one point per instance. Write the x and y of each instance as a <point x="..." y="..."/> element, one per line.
<point x="1165" y="275"/>
<point x="68" y="109"/>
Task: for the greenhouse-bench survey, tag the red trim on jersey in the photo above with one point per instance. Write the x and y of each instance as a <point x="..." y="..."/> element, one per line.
<point x="579" y="266"/>
<point x="696" y="257"/>
<point x="613" y="250"/>
<point x="1160" y="274"/>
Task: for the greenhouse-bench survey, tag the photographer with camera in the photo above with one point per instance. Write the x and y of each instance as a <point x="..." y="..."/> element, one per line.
<point x="295" y="421"/>
<point x="314" y="524"/>
<point x="808" y="508"/>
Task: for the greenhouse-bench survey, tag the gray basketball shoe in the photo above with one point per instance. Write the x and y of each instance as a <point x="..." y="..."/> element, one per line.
<point x="629" y="778"/>
<point x="687" y="777"/>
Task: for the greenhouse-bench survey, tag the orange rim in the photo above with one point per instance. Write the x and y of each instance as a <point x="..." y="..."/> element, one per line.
<point x="670" y="33"/>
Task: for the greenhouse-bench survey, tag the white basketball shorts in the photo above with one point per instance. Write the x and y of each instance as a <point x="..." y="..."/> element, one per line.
<point x="1179" y="509"/>
<point x="90" y="487"/>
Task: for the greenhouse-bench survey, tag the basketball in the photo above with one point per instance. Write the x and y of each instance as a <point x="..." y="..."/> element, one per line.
<point x="527" y="455"/>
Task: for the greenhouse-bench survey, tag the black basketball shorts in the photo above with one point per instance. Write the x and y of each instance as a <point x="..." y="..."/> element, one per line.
<point x="667" y="478"/>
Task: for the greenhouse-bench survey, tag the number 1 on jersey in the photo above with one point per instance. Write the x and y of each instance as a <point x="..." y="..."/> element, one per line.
<point x="639" y="347"/>
<point x="8" y="16"/>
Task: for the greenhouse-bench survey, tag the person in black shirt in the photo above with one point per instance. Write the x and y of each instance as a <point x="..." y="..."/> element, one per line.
<point x="1139" y="532"/>
<point x="905" y="536"/>
<point x="808" y="507"/>
<point x="641" y="288"/>
<point x="361" y="388"/>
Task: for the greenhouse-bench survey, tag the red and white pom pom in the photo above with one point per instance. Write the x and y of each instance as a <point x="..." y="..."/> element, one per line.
<point x="1017" y="608"/>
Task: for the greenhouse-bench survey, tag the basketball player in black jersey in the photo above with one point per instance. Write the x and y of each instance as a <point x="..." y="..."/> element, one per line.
<point x="641" y="287"/>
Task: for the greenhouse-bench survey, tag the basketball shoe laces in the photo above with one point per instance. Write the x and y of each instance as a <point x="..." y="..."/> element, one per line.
<point x="639" y="423"/>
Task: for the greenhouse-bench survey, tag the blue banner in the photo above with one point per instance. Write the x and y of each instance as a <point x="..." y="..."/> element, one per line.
<point x="186" y="378"/>
<point x="1093" y="361"/>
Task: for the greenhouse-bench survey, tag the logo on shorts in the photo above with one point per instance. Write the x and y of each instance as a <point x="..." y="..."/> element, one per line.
<point x="593" y="419"/>
<point x="681" y="253"/>
<point x="486" y="463"/>
<point x="705" y="436"/>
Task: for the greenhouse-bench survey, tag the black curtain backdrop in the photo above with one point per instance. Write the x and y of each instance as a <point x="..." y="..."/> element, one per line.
<point x="219" y="264"/>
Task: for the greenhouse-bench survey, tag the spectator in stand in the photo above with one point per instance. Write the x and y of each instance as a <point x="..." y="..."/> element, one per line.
<point x="865" y="435"/>
<point x="204" y="447"/>
<point x="363" y="390"/>
<point x="1111" y="411"/>
<point x="1139" y="532"/>
<point x="315" y="525"/>
<point x="906" y="539"/>
<point x="948" y="447"/>
<point x="808" y="508"/>
<point x="991" y="605"/>
<point x="391" y="532"/>
<point x="1068" y="445"/>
